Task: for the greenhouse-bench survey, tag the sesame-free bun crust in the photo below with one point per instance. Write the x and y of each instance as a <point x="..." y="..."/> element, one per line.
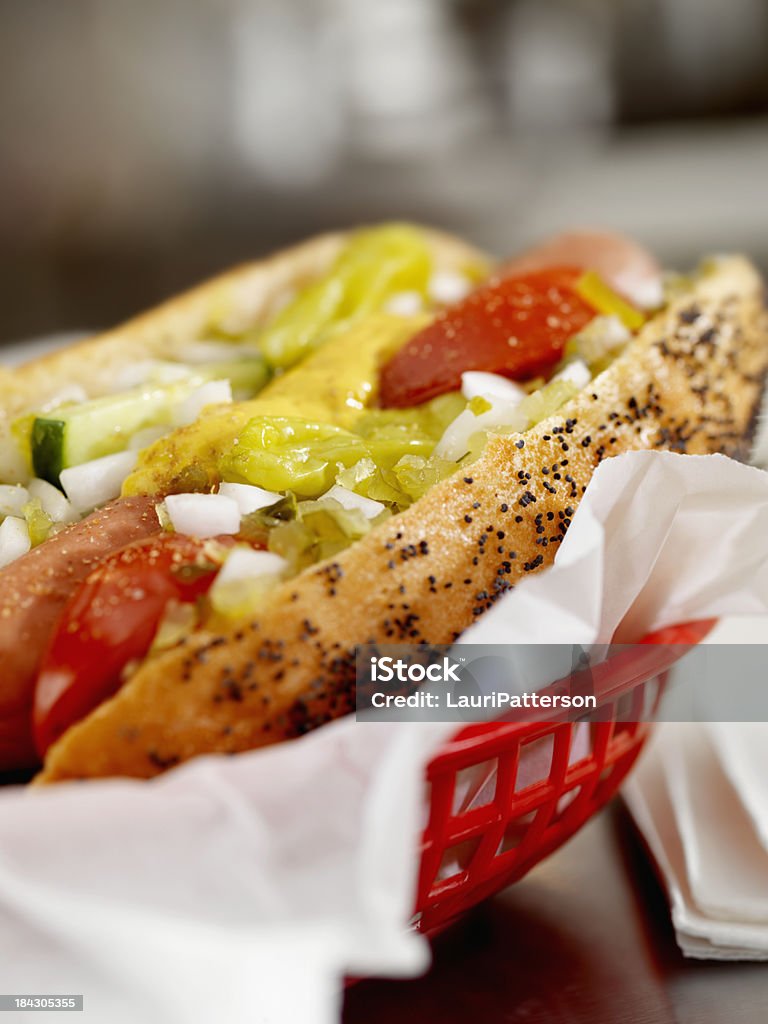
<point x="691" y="381"/>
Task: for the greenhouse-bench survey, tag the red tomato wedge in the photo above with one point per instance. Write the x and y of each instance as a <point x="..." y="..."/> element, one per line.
<point x="111" y="620"/>
<point x="515" y="326"/>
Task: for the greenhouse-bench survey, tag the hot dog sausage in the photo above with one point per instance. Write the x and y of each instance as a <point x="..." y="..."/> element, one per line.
<point x="33" y="591"/>
<point x="626" y="265"/>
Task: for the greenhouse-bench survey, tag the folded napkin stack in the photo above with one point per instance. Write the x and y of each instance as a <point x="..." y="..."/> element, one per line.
<point x="700" y="798"/>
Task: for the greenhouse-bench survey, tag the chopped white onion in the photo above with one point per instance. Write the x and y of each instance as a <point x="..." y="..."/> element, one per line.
<point x="645" y="293"/>
<point x="14" y="540"/>
<point x="455" y="442"/>
<point x="245" y="580"/>
<point x="613" y="332"/>
<point x="405" y="304"/>
<point x="213" y="392"/>
<point x="449" y="286"/>
<point x="247" y="564"/>
<point x="94" y="483"/>
<point x="476" y="383"/>
<point x="352" y="500"/>
<point x="145" y="437"/>
<point x="249" y="498"/>
<point x="576" y="371"/>
<point x="13" y="498"/>
<point x="203" y="515"/>
<point x="53" y="501"/>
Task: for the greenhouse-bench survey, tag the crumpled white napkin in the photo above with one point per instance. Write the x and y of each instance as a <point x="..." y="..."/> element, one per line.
<point x="242" y="889"/>
<point x="700" y="799"/>
<point x="659" y="539"/>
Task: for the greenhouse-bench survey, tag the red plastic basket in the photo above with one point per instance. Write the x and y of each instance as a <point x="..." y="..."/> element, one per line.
<point x="493" y="838"/>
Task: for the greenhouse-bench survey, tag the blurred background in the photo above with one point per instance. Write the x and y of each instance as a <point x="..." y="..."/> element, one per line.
<point x="147" y="144"/>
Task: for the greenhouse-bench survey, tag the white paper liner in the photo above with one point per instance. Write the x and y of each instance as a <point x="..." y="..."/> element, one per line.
<point x="260" y="880"/>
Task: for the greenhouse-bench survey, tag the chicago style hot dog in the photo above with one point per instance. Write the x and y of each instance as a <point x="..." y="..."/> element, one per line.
<point x="410" y="436"/>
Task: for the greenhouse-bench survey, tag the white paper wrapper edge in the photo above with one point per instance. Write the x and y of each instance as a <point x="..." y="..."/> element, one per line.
<point x="239" y="876"/>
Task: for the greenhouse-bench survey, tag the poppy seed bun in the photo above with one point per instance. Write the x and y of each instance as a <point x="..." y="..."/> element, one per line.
<point x="690" y="381"/>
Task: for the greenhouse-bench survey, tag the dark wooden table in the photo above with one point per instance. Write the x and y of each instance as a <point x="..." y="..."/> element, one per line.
<point x="585" y="939"/>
